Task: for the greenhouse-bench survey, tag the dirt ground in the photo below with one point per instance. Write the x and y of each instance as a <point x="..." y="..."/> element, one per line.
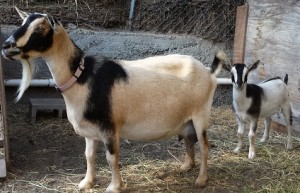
<point x="48" y="156"/>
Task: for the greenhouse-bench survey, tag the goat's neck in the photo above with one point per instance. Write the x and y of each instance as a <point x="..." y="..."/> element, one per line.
<point x="59" y="56"/>
<point x="239" y="96"/>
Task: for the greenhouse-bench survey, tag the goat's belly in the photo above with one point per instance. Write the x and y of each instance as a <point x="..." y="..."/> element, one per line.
<point x="268" y="112"/>
<point x="151" y="132"/>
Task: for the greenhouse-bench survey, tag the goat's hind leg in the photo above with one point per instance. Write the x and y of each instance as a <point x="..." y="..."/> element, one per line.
<point x="190" y="138"/>
<point x="287" y="113"/>
<point x="265" y="136"/>
<point x="201" y="125"/>
<point x="90" y="153"/>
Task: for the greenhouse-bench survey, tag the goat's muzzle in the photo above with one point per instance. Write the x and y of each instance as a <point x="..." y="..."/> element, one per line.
<point x="240" y="85"/>
<point x="10" y="49"/>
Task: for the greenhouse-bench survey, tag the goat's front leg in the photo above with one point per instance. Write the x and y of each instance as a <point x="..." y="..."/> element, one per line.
<point x="240" y="134"/>
<point x="90" y="153"/>
<point x="112" y="157"/>
<point x="265" y="136"/>
<point x="253" y="127"/>
<point x="203" y="141"/>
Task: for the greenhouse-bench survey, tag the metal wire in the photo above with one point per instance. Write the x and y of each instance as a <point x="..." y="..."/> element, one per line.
<point x="208" y="19"/>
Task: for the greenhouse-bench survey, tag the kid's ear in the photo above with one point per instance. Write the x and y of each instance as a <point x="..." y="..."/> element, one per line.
<point x="22" y="14"/>
<point x="227" y="67"/>
<point x="253" y="66"/>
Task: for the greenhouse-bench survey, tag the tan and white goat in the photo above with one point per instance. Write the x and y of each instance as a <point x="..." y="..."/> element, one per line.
<point x="148" y="99"/>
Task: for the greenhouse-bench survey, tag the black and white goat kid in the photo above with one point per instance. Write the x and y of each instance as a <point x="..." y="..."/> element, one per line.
<point x="251" y="102"/>
<point x="148" y="99"/>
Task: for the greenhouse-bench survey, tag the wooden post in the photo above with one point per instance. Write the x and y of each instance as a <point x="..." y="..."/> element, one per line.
<point x="3" y="163"/>
<point x="240" y="34"/>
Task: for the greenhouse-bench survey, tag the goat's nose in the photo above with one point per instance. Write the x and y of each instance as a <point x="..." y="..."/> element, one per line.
<point x="9" y="43"/>
<point x="240" y="84"/>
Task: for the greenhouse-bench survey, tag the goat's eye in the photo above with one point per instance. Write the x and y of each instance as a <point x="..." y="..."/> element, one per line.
<point x="40" y="29"/>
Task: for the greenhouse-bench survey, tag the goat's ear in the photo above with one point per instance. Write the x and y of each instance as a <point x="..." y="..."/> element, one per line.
<point x="227" y="67"/>
<point x="22" y="14"/>
<point x="253" y="66"/>
<point x="52" y="21"/>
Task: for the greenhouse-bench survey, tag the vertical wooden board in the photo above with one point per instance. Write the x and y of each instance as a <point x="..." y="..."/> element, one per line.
<point x="3" y="163"/>
<point x="240" y="34"/>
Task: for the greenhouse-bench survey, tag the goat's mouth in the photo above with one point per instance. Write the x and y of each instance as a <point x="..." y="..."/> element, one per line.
<point x="239" y="87"/>
<point x="11" y="54"/>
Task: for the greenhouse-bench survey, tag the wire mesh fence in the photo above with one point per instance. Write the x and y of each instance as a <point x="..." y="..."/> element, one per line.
<point x="208" y="19"/>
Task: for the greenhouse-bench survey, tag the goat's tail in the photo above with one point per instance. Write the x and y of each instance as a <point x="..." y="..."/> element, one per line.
<point x="218" y="62"/>
<point x="286" y="78"/>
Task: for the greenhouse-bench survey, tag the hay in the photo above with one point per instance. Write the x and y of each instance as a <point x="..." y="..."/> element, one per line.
<point x="49" y="157"/>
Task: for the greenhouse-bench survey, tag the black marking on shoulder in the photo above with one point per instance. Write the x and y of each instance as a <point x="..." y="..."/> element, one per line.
<point x="255" y="93"/>
<point x="102" y="75"/>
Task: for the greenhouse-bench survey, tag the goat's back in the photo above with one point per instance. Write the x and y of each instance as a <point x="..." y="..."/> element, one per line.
<point x="275" y="95"/>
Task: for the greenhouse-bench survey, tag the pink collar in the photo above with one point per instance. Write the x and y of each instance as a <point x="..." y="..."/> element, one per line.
<point x="65" y="86"/>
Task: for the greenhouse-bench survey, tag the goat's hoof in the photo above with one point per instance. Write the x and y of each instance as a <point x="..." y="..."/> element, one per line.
<point x="127" y="141"/>
<point x="86" y="184"/>
<point x="263" y="140"/>
<point x="201" y="182"/>
<point x="186" y="167"/>
<point x="237" y="150"/>
<point x="112" y="188"/>
<point x="112" y="191"/>
<point x="251" y="155"/>
<point x="289" y="146"/>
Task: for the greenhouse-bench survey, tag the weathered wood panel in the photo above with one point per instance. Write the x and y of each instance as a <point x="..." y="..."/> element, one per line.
<point x="4" y="159"/>
<point x="240" y="34"/>
<point x="273" y="37"/>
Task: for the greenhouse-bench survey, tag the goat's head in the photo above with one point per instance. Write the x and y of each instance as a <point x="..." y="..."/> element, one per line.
<point x="239" y="73"/>
<point x="32" y="38"/>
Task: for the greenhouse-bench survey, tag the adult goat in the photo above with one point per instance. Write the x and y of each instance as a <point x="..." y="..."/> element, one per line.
<point x="148" y="99"/>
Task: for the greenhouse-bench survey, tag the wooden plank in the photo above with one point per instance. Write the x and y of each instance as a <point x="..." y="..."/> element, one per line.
<point x="240" y="34"/>
<point x="2" y="168"/>
<point x="4" y="118"/>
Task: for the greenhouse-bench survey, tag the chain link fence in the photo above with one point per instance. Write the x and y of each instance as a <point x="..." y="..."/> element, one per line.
<point x="209" y="19"/>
